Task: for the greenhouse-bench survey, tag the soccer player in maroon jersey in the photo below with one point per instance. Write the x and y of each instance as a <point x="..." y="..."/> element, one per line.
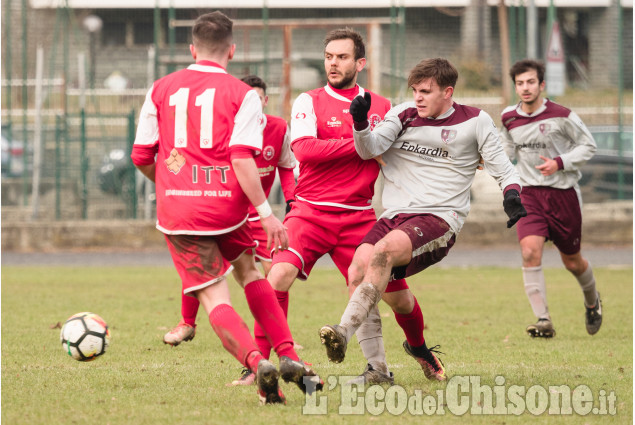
<point x="276" y="155"/>
<point x="198" y="133"/>
<point x="550" y="143"/>
<point x="431" y="148"/>
<point x="332" y="208"/>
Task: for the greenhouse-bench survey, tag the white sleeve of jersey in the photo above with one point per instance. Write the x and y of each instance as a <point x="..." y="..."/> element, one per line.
<point x="584" y="146"/>
<point x="496" y="161"/>
<point x="370" y="144"/>
<point x="286" y="160"/>
<point x="247" y="131"/>
<point x="303" y="118"/>
<point x="148" y="128"/>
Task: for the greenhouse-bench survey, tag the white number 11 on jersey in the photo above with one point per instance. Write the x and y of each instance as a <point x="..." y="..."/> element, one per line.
<point x="206" y="101"/>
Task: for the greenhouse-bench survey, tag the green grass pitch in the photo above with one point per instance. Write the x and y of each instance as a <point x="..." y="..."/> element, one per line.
<point x="477" y="315"/>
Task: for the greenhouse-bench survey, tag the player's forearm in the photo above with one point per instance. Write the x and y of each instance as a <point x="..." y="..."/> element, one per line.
<point x="249" y="180"/>
<point x="287" y="182"/>
<point x="311" y="149"/>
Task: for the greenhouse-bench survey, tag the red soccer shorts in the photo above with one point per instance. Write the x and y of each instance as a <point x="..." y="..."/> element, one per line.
<point x="202" y="260"/>
<point x="259" y="235"/>
<point x="314" y="233"/>
<point x="554" y="214"/>
<point x="431" y="239"/>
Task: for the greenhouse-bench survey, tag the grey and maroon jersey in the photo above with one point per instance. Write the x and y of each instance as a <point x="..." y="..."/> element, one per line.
<point x="430" y="163"/>
<point x="552" y="131"/>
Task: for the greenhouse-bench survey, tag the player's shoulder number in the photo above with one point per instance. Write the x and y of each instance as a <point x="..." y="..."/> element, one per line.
<point x="205" y="101"/>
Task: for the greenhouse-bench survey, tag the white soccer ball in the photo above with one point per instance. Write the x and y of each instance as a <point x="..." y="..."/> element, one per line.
<point x="85" y="336"/>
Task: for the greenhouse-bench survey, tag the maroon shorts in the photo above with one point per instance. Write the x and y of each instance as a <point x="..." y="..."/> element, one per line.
<point x="202" y="260"/>
<point x="431" y="239"/>
<point x="314" y="233"/>
<point x="261" y="253"/>
<point x="554" y="214"/>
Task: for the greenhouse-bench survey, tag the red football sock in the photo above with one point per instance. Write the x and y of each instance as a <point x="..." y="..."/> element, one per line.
<point x="412" y="325"/>
<point x="268" y="313"/>
<point x="234" y="334"/>
<point x="189" y="308"/>
<point x="261" y="339"/>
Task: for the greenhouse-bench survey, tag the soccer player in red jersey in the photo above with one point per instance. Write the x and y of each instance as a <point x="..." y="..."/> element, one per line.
<point x="198" y="133"/>
<point x="550" y="143"/>
<point x="276" y="155"/>
<point x="332" y="208"/>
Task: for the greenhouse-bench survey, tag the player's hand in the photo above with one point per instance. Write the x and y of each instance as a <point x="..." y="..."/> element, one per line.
<point x="380" y="160"/>
<point x="277" y="238"/>
<point x="548" y="167"/>
<point x="287" y="210"/>
<point x="513" y="207"/>
<point x="480" y="163"/>
<point x="359" y="108"/>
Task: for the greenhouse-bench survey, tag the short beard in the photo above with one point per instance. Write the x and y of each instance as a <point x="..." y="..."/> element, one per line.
<point x="346" y="80"/>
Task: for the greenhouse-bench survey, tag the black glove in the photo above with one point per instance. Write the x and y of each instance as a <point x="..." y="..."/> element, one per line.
<point x="513" y="207"/>
<point x="288" y="209"/>
<point x="360" y="107"/>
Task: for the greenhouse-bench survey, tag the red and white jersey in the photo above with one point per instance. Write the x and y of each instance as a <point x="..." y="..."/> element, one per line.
<point x="276" y="153"/>
<point x="192" y="120"/>
<point x="332" y="175"/>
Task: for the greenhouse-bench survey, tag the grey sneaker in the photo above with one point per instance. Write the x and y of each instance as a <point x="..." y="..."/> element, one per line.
<point x="300" y="374"/>
<point x="543" y="328"/>
<point x="335" y="341"/>
<point x="267" y="379"/>
<point x="594" y="317"/>
<point x="371" y="376"/>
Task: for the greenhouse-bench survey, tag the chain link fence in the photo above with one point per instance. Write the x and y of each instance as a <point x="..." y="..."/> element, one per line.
<point x="93" y="84"/>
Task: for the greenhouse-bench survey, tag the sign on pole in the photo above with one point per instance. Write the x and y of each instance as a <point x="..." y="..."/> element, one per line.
<point x="556" y="66"/>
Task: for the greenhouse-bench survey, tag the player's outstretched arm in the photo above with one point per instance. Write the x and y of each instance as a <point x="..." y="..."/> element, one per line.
<point x="247" y="174"/>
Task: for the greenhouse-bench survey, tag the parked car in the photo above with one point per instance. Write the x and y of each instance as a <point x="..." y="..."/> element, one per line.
<point x="614" y="156"/>
<point x="117" y="175"/>
<point x="12" y="155"/>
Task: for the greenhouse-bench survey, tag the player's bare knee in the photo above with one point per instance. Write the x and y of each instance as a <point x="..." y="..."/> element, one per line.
<point x="531" y="256"/>
<point x="381" y="257"/>
<point x="401" y="302"/>
<point x="575" y="265"/>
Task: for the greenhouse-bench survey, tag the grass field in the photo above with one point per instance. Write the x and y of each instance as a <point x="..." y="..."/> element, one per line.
<point x="477" y="315"/>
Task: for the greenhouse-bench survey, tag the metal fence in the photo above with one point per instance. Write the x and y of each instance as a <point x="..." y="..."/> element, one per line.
<point x="92" y="85"/>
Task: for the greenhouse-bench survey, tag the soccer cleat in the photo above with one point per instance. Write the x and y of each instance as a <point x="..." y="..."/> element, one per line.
<point x="182" y="332"/>
<point x="247" y="377"/>
<point x="300" y="374"/>
<point x="335" y="341"/>
<point x="543" y="328"/>
<point x="371" y="376"/>
<point x="267" y="378"/>
<point x="432" y="366"/>
<point x="594" y="317"/>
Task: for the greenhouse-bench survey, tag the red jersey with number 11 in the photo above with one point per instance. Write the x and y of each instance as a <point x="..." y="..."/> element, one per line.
<point x="192" y="120"/>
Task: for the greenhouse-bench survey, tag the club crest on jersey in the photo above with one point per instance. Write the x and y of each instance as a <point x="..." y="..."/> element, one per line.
<point x="334" y="122"/>
<point x="268" y="152"/>
<point x="374" y="119"/>
<point x="448" y="136"/>
<point x="544" y="128"/>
